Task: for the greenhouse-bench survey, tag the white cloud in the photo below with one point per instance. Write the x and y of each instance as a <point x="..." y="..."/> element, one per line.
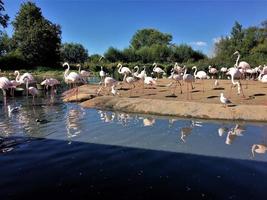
<point x="199" y="43"/>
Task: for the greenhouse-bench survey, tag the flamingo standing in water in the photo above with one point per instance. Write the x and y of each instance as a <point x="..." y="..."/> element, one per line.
<point x="26" y="78"/>
<point x="188" y="79"/>
<point x="5" y="84"/>
<point x="72" y="78"/>
<point x="34" y="92"/>
<point x="200" y="74"/>
<point x="50" y="82"/>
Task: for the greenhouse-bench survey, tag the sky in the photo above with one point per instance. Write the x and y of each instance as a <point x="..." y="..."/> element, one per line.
<point x="104" y="23"/>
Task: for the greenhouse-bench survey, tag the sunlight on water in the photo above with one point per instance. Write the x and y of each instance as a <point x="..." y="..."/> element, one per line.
<point x="72" y="123"/>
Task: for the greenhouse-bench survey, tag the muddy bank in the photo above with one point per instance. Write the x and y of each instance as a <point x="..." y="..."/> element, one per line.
<point x="179" y="108"/>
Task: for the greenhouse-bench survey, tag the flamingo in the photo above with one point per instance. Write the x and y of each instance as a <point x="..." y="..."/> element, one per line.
<point x="235" y="73"/>
<point x="176" y="78"/>
<point x="223" y="71"/>
<point x="200" y="74"/>
<point x="26" y="78"/>
<point x="33" y="91"/>
<point x="50" y="82"/>
<point x="114" y="91"/>
<point x="243" y="65"/>
<point x="212" y="71"/>
<point x="123" y="70"/>
<point x="177" y="69"/>
<point x="4" y="85"/>
<point x="157" y="69"/>
<point x="83" y="73"/>
<point x="150" y="81"/>
<point x="188" y="78"/>
<point x="263" y="79"/>
<point x="131" y="81"/>
<point x="72" y="78"/>
<point x="108" y="82"/>
<point x="102" y="74"/>
<point x="136" y="73"/>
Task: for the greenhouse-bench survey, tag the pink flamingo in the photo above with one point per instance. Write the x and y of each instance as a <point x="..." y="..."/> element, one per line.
<point x="243" y="66"/>
<point x="33" y="91"/>
<point x="213" y="71"/>
<point x="235" y="73"/>
<point x="50" y="82"/>
<point x="188" y="78"/>
<point x="4" y="85"/>
<point x="177" y="69"/>
<point x="150" y="81"/>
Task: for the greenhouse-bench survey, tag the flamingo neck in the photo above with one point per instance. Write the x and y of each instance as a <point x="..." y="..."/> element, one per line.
<point x="66" y="71"/>
<point x="185" y="72"/>
<point x="79" y="69"/>
<point x="119" y="70"/>
<point x="237" y="60"/>
<point x="17" y="77"/>
<point x="232" y="79"/>
<point x="195" y="72"/>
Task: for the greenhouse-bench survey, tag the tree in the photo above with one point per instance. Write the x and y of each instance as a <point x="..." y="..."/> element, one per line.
<point x="149" y="37"/>
<point x="3" y="17"/>
<point x="113" y="55"/>
<point x="36" y="38"/>
<point x="5" y="44"/>
<point x="73" y="53"/>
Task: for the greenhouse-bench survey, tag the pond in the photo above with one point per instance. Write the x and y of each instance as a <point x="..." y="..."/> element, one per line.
<point x="73" y="152"/>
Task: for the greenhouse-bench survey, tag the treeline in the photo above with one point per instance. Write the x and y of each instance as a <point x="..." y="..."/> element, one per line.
<point x="37" y="42"/>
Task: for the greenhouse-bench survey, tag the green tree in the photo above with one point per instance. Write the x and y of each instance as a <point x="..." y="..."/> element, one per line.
<point x="114" y="55"/>
<point x="3" y="17"/>
<point x="149" y="37"/>
<point x="5" y="44"/>
<point x="73" y="53"/>
<point x="37" y="39"/>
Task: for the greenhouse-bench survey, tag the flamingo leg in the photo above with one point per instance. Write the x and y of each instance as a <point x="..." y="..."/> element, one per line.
<point x="181" y="90"/>
<point x="202" y="84"/>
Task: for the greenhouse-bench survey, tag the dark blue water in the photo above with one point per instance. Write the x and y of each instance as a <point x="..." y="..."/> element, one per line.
<point x="76" y="153"/>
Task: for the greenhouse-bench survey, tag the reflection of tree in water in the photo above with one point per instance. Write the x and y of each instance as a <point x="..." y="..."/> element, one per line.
<point x="233" y="133"/>
<point x="73" y="122"/>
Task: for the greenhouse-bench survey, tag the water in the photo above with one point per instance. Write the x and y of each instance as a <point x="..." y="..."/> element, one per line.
<point x="79" y="153"/>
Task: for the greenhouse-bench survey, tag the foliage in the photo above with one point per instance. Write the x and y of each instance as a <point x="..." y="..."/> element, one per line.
<point x="73" y="53"/>
<point x="251" y="42"/>
<point x="149" y="37"/>
<point x="3" y="17"/>
<point x="11" y="61"/>
<point x="37" y="39"/>
<point x="5" y="44"/>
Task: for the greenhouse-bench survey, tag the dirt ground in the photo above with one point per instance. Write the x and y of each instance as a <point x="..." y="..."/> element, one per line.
<point x="255" y="92"/>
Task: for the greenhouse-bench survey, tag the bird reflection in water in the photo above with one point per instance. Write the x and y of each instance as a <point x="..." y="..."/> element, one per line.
<point x="186" y="131"/>
<point x="106" y="116"/>
<point x="233" y="133"/>
<point x="259" y="148"/>
<point x="149" y="121"/>
<point x="222" y="130"/>
<point x="73" y="122"/>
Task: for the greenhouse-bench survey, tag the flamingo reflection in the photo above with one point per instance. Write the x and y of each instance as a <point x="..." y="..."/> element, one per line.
<point x="149" y="121"/>
<point x="233" y="133"/>
<point x="258" y="148"/>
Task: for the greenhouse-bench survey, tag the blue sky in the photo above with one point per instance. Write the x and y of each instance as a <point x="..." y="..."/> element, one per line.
<point x="101" y="24"/>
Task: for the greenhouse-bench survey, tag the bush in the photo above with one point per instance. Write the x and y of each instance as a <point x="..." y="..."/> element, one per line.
<point x="12" y="61"/>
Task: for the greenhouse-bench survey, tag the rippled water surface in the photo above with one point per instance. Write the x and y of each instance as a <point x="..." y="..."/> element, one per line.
<point x="74" y="152"/>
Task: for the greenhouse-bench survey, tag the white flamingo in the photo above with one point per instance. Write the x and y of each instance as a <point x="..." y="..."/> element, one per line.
<point x="26" y="79"/>
<point x="72" y="78"/>
<point x="177" y="69"/>
<point x="83" y="73"/>
<point x="150" y="81"/>
<point x="108" y="82"/>
<point x="188" y="79"/>
<point x="5" y="84"/>
<point x="243" y="65"/>
<point x="200" y="75"/>
<point x="157" y="69"/>
<point x="102" y="74"/>
<point x="123" y="70"/>
<point x="223" y="71"/>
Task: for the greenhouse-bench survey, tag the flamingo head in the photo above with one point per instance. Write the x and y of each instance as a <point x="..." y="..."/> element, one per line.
<point x="154" y="64"/>
<point x="194" y="67"/>
<point x="209" y="67"/>
<point x="65" y="64"/>
<point x="16" y="72"/>
<point x="119" y="65"/>
<point x="78" y="65"/>
<point x="236" y="53"/>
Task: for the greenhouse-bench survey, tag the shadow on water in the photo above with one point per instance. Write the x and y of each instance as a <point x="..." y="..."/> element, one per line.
<point x="106" y="171"/>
